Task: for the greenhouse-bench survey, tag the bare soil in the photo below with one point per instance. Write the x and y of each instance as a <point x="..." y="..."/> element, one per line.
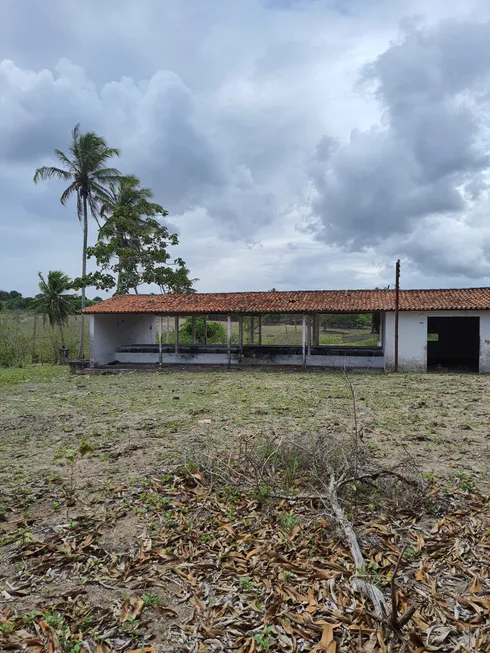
<point x="138" y="550"/>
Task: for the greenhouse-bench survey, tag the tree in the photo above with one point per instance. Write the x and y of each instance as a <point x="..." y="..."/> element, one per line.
<point x="132" y="247"/>
<point x="85" y="168"/>
<point x="53" y="302"/>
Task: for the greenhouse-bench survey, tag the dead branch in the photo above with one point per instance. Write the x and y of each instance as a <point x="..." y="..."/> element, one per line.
<point x="373" y="476"/>
<point x="368" y="590"/>
<point x="394" y="605"/>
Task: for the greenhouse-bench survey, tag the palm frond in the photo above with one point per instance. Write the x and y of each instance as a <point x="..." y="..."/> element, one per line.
<point x="107" y="174"/>
<point x="65" y="160"/>
<point x="72" y="188"/>
<point x="50" y="172"/>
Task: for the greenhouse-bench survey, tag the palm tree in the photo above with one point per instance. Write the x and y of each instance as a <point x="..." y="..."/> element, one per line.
<point x="53" y="302"/>
<point x="122" y="207"/>
<point x="85" y="168"/>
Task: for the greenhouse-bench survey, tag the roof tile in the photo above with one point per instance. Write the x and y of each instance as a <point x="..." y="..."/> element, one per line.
<point x="301" y="301"/>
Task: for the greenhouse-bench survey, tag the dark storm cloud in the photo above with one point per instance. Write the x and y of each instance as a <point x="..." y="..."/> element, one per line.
<point x="218" y="105"/>
<point x="382" y="181"/>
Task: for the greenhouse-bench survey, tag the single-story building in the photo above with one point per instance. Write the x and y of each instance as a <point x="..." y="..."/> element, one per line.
<point x="445" y="329"/>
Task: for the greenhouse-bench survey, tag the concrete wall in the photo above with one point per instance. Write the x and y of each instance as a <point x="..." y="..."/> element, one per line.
<point x="412" y="339"/>
<point x="107" y="332"/>
<point x="350" y="362"/>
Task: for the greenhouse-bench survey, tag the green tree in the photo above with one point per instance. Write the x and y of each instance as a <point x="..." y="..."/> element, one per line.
<point x="85" y="170"/>
<point x="132" y="247"/>
<point x="53" y="302"/>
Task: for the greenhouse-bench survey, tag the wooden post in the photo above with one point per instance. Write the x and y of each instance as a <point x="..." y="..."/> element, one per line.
<point x="228" y="338"/>
<point x="177" y="334"/>
<point x="397" y="305"/>
<point x="193" y="329"/>
<point x="252" y="328"/>
<point x="260" y="329"/>
<point x="303" y="339"/>
<point x="160" y="336"/>
<point x="205" y="324"/>
<point x="168" y="330"/>
<point x="240" y="337"/>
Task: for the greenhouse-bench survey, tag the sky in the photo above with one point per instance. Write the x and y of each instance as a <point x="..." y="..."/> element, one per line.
<point x="297" y="144"/>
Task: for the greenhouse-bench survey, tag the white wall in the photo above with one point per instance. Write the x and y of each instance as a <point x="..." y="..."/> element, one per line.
<point x="107" y="332"/>
<point x="412" y="338"/>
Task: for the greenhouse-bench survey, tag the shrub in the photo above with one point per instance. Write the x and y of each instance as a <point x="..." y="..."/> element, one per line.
<point x="216" y="333"/>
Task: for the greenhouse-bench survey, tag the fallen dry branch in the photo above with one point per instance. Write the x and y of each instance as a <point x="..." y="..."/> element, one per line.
<point x="359" y="584"/>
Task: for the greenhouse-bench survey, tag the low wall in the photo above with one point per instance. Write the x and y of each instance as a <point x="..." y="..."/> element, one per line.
<point x="334" y="357"/>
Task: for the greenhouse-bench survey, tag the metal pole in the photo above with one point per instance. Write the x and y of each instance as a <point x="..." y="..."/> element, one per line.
<point x="160" y="336"/>
<point x="228" y="339"/>
<point x="397" y="306"/>
<point x="177" y="334"/>
<point x="205" y="325"/>
<point x="260" y="329"/>
<point x="193" y="329"/>
<point x="303" y="339"/>
<point x="252" y="328"/>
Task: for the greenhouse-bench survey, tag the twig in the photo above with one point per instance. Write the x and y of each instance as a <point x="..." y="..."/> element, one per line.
<point x="375" y="475"/>
<point x="394" y="608"/>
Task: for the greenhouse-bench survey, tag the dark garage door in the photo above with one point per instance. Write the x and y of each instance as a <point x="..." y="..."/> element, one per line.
<point x="453" y="343"/>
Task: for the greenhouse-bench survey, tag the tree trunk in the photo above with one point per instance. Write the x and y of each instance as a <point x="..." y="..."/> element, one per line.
<point x="34" y="341"/>
<point x="84" y="272"/>
<point x="62" y="336"/>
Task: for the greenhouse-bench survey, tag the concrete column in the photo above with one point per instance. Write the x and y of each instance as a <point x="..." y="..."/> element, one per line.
<point x="303" y="339"/>
<point x="252" y="329"/>
<point x="205" y="324"/>
<point x="228" y="338"/>
<point x="309" y="334"/>
<point x="160" y="336"/>
<point x="240" y="336"/>
<point x="260" y="329"/>
<point x="193" y="329"/>
<point x="177" y="334"/>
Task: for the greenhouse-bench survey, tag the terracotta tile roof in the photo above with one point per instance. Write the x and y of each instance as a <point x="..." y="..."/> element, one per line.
<point x="301" y="301"/>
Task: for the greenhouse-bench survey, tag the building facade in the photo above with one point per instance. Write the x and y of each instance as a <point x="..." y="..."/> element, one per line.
<point x="437" y="329"/>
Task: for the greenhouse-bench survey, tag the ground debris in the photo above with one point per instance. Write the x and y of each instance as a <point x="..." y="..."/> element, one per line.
<point x="215" y="569"/>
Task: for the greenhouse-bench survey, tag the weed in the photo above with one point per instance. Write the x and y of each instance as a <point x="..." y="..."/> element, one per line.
<point x="246" y="584"/>
<point x="464" y="481"/>
<point x="150" y="600"/>
<point x="289" y="521"/>
<point x="71" y="456"/>
<point x="265" y="639"/>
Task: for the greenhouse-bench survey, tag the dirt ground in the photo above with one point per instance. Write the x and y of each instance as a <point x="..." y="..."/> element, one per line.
<point x="113" y="554"/>
<point x="136" y="422"/>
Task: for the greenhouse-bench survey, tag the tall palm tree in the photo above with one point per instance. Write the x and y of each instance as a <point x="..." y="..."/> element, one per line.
<point x="53" y="301"/>
<point x="123" y="206"/>
<point x="85" y="168"/>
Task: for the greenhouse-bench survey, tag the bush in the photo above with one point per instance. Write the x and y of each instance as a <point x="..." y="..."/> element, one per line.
<point x="216" y="333"/>
<point x="14" y="345"/>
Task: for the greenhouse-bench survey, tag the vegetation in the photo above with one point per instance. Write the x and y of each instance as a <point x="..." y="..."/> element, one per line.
<point x="216" y="332"/>
<point x="53" y="302"/>
<point x="85" y="168"/>
<point x="132" y="247"/>
<point x="233" y="506"/>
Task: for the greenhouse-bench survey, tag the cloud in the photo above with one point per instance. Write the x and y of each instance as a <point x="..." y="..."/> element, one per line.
<point x="385" y="179"/>
<point x="296" y="143"/>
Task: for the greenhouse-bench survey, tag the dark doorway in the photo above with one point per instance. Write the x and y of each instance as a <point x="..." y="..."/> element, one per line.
<point x="453" y="343"/>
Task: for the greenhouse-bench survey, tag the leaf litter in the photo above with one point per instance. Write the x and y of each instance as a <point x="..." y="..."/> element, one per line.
<point x="217" y="570"/>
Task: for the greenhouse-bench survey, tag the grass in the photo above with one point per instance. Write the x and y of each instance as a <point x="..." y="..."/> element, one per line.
<point x="132" y="418"/>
